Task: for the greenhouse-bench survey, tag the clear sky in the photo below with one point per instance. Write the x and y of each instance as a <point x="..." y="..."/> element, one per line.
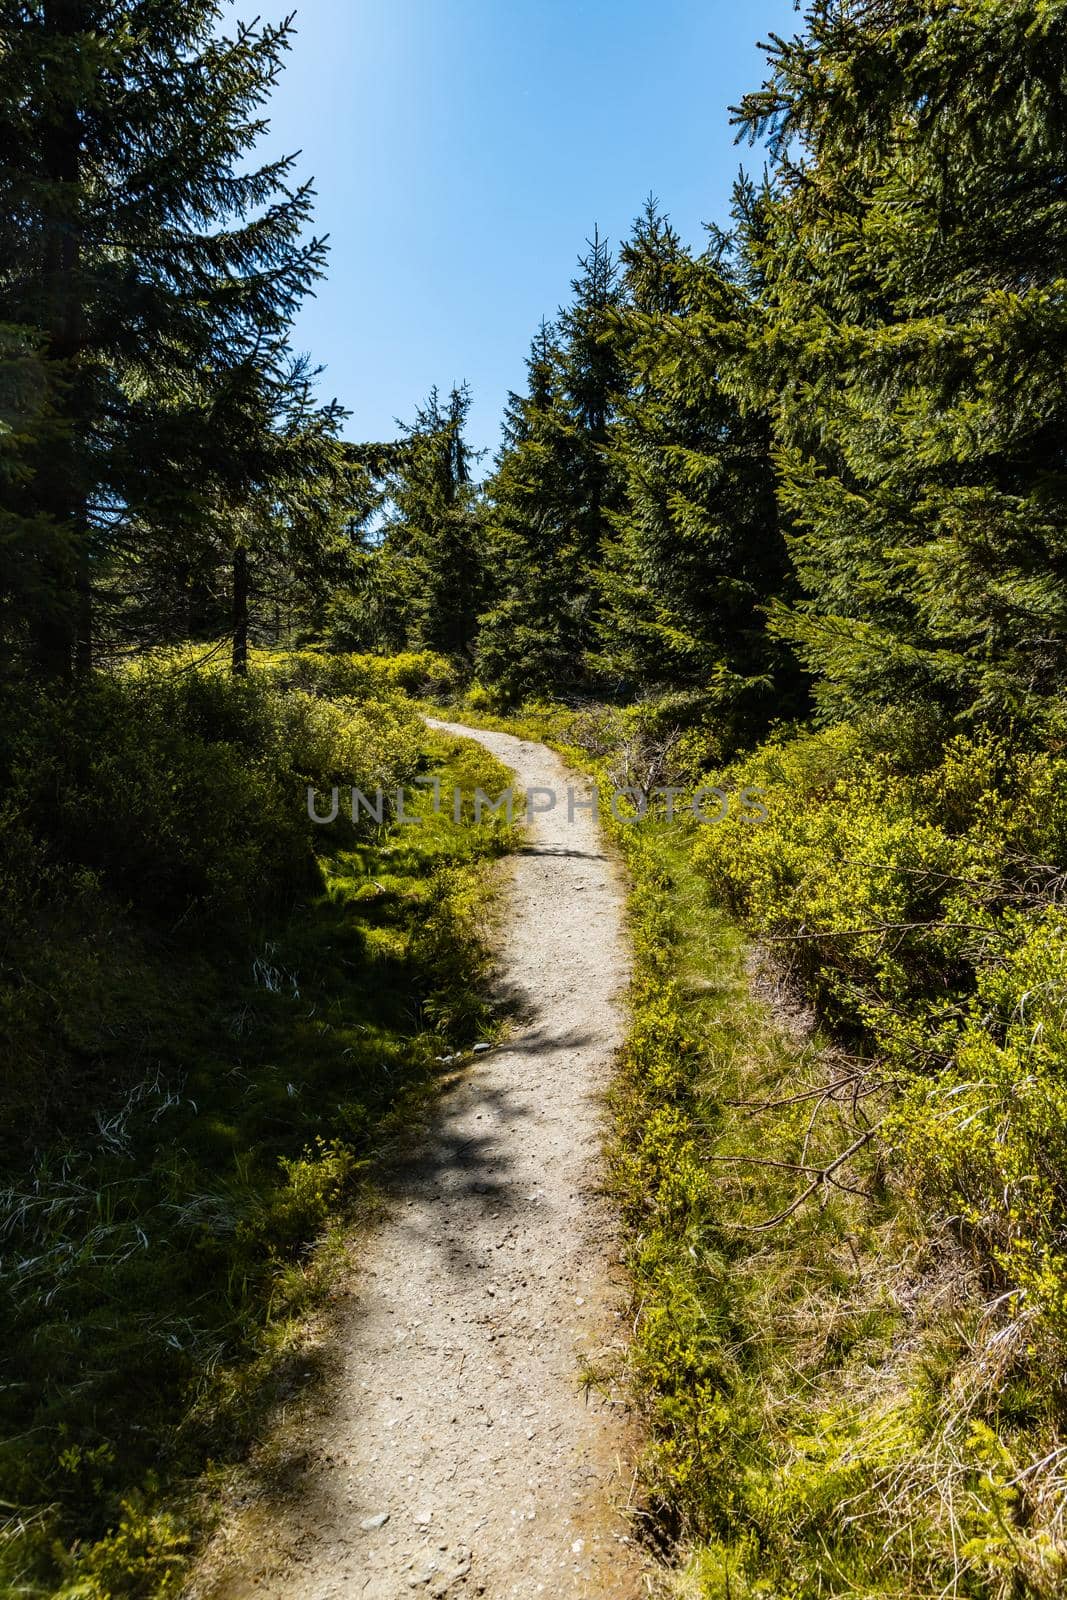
<point x="463" y="150"/>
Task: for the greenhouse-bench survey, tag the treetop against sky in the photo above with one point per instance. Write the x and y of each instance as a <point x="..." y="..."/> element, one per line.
<point x="463" y="151"/>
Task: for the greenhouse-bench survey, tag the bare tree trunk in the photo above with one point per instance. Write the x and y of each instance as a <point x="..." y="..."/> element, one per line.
<point x="83" y="638"/>
<point x="64" y="625"/>
<point x="240" y="610"/>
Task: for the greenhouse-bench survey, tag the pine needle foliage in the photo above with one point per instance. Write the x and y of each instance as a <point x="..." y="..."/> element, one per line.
<point x="697" y="550"/>
<point x="913" y="351"/>
<point x="150" y="276"/>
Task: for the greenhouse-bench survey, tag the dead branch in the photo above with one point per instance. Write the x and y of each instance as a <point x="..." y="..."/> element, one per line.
<point x="822" y="1176"/>
<point x="884" y="927"/>
<point x="853" y="1079"/>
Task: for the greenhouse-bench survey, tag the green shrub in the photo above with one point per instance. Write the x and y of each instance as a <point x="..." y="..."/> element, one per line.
<point x="479" y="698"/>
<point x="190" y="1102"/>
<point x="823" y="1418"/>
<point x="143" y="1559"/>
<point x="987" y="1139"/>
<point x="360" y="676"/>
<point x="186" y="792"/>
<point x="919" y="908"/>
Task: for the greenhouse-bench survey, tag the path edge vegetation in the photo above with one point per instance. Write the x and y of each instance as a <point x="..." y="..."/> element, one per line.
<point x="794" y="498"/>
<point x="840" y="1398"/>
<point x="230" y="1078"/>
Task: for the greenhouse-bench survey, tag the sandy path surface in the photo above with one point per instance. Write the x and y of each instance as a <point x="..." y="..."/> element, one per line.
<point x="458" y="1452"/>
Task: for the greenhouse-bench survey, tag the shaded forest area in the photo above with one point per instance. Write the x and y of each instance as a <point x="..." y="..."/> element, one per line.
<point x="786" y="508"/>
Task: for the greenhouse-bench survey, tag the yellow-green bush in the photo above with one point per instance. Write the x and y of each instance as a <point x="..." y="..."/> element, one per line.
<point x="920" y="908"/>
<point x="213" y="1015"/>
<point x="987" y="1137"/>
<point x="821" y="1422"/>
<point x="357" y="675"/>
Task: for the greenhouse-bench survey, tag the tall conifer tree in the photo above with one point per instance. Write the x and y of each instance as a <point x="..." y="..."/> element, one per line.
<point x="552" y="496"/>
<point x="144" y="274"/>
<point x="530" y="636"/>
<point x="432" y="548"/>
<point x="697" y="552"/>
<point x="914" y="350"/>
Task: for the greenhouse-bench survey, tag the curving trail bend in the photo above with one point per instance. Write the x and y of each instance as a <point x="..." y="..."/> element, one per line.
<point x="456" y="1451"/>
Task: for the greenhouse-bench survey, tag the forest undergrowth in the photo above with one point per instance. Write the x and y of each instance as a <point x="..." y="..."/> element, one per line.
<point x="249" y="1020"/>
<point x="837" y="1150"/>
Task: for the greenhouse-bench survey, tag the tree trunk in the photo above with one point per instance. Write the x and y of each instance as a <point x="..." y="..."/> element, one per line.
<point x="83" y="637"/>
<point x="240" y="610"/>
<point x="63" y="626"/>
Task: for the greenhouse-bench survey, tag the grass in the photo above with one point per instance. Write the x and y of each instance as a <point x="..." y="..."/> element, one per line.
<point x="219" y="1108"/>
<point x="831" y="1410"/>
<point x="806" y="1382"/>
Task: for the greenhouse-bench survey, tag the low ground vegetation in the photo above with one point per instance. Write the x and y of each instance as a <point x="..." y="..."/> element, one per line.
<point x="838" y="1150"/>
<point x="249" y="1015"/>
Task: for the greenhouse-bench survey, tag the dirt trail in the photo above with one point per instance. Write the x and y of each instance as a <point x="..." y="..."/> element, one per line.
<point x="458" y="1452"/>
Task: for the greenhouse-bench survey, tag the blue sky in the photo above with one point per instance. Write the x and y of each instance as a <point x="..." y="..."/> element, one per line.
<point x="463" y="150"/>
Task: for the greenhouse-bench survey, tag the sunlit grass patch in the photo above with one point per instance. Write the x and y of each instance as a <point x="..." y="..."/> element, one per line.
<point x="844" y="1395"/>
<point x="811" y="1374"/>
<point x="227" y="1100"/>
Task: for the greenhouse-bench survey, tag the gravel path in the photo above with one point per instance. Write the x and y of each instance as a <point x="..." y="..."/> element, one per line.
<point x="457" y="1451"/>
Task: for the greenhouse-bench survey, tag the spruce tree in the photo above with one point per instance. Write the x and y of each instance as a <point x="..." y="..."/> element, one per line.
<point x="697" y="552"/>
<point x="914" y="349"/>
<point x="531" y="635"/>
<point x="144" y="273"/>
<point x="592" y="384"/>
<point x="280" y="497"/>
<point x="275" y="489"/>
<point x="432" y="546"/>
<point x="552" y="496"/>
